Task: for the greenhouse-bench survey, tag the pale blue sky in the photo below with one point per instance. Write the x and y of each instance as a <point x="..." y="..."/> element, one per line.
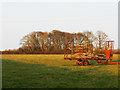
<point x="22" y="18"/>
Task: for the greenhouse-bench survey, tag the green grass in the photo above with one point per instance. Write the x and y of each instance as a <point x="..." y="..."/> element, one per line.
<point x="52" y="71"/>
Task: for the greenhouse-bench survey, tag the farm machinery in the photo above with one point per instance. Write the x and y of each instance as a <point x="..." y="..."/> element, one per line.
<point x="81" y="53"/>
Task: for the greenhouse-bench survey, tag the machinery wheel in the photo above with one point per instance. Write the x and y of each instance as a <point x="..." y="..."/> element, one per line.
<point x="108" y="60"/>
<point x="85" y="62"/>
<point x="98" y="61"/>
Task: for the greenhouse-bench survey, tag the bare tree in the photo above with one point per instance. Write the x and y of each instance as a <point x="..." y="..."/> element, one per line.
<point x="101" y="38"/>
<point x="45" y="42"/>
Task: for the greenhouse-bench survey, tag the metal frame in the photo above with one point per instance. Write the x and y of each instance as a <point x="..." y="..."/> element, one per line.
<point x="108" y="52"/>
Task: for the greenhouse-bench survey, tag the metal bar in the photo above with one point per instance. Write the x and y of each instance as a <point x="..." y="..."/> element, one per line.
<point x="109" y="62"/>
<point x="108" y="44"/>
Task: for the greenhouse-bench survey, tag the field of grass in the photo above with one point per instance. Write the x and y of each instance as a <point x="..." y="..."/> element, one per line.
<point x="52" y="71"/>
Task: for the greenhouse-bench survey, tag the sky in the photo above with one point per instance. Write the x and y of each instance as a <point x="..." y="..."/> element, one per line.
<point x="22" y="18"/>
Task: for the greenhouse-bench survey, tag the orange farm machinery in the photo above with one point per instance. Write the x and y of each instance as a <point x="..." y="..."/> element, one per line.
<point x="82" y="53"/>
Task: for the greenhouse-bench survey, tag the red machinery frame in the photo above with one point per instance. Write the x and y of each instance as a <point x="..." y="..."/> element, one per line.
<point x="84" y="61"/>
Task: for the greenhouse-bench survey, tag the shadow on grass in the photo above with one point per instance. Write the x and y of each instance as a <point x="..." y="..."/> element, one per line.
<point x="105" y="64"/>
<point x="96" y="64"/>
<point x="21" y="75"/>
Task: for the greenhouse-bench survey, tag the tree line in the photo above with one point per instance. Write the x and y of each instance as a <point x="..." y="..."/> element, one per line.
<point x="52" y="42"/>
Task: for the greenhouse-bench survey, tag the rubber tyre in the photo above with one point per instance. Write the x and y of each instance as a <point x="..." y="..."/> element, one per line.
<point x="98" y="61"/>
<point x="108" y="60"/>
<point x="85" y="62"/>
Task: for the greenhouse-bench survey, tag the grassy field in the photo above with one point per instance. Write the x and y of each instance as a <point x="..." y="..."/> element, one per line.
<point x="52" y="71"/>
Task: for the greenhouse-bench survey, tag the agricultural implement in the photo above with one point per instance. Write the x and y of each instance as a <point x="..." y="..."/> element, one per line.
<point x="81" y="53"/>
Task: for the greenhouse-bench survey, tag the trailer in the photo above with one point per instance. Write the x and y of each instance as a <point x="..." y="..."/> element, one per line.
<point x="82" y="53"/>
